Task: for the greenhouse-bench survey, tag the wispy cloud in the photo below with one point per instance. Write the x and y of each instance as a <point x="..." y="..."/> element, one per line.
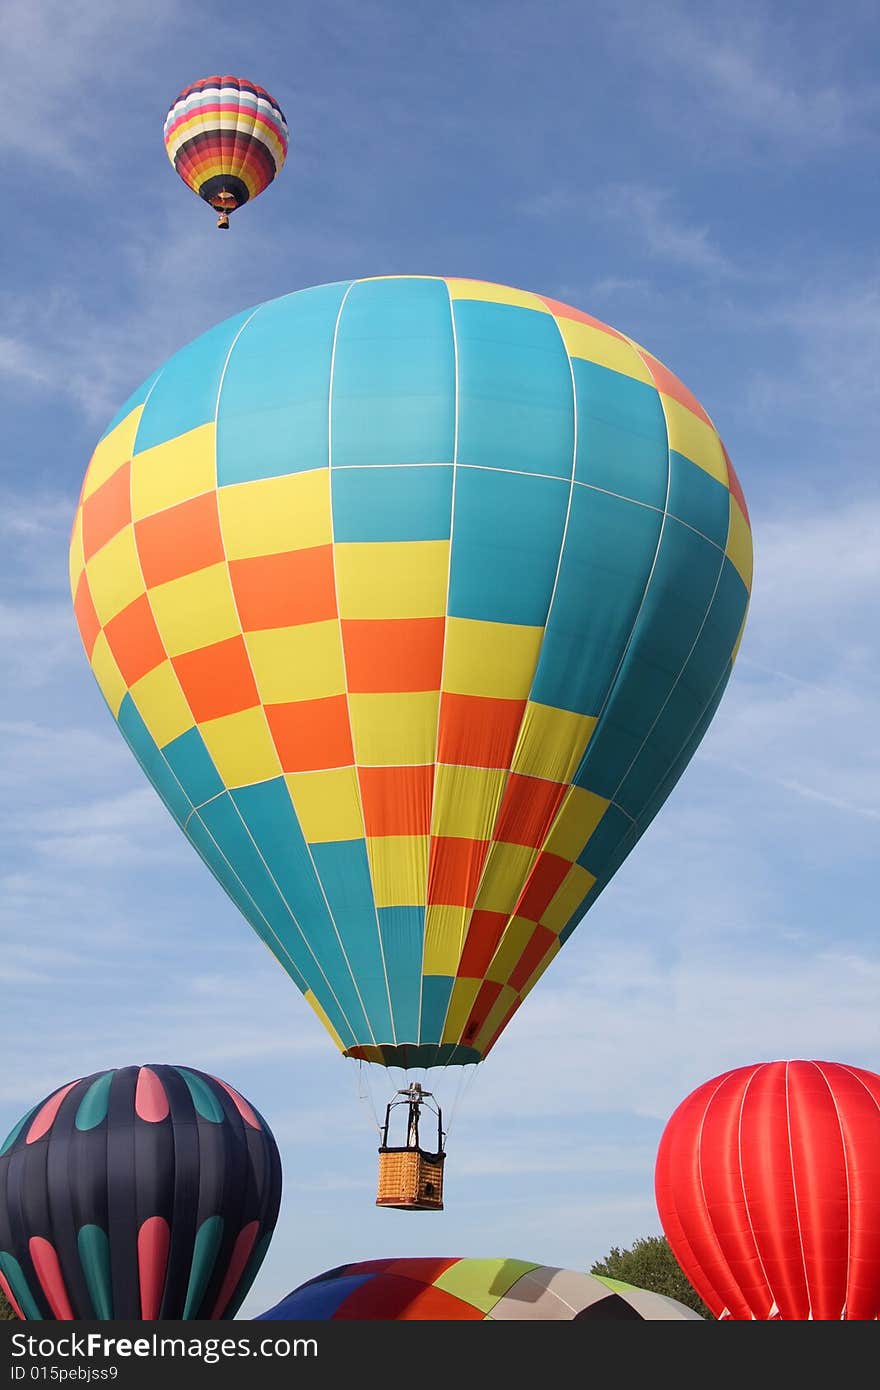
<point x="757" y="72"/>
<point x="59" y="54"/>
<point x="649" y="217"/>
<point x="831" y="372"/>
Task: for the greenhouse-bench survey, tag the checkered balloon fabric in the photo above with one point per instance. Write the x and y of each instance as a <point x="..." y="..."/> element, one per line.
<point x="455" y="1290"/>
<point x="413" y="598"/>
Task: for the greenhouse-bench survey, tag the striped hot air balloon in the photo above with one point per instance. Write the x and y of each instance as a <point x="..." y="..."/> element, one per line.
<point x="413" y="598"/>
<point x="144" y="1192"/>
<point x="227" y="139"/>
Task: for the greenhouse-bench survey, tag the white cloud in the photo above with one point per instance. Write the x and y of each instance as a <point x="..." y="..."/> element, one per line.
<point x="644" y="214"/>
<point x="60" y="55"/>
<point x="832" y="373"/>
<point x="23" y="362"/>
<point x="649" y="215"/>
<point x="753" y="71"/>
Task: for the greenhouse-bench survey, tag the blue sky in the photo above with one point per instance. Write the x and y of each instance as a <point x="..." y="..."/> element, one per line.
<point x="700" y="176"/>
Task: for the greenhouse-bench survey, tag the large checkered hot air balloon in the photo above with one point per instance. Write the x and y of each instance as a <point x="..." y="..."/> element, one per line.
<point x="413" y="597"/>
<point x="227" y="139"/>
<point x="142" y="1192"/>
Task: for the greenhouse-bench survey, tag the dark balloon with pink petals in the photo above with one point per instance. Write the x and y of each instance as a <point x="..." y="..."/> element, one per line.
<point x="138" y="1193"/>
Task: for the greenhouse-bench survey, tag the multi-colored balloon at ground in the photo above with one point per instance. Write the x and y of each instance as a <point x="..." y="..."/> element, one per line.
<point x="768" y="1188"/>
<point x="413" y="598"/>
<point x="144" y="1192"/>
<point x="227" y="139"/>
<point x="451" y="1290"/>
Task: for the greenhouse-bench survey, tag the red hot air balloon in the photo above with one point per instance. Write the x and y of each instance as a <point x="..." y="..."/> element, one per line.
<point x="767" y="1183"/>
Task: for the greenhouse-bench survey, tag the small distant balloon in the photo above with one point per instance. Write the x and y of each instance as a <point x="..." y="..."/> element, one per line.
<point x="227" y="139"/>
<point x="139" y="1193"/>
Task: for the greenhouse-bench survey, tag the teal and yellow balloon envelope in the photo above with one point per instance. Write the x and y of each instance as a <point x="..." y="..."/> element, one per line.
<point x="413" y="598"/>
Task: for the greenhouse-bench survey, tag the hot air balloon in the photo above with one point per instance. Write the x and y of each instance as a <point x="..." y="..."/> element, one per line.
<point x="138" y="1193"/>
<point x="768" y="1188"/>
<point x="454" y="1290"/>
<point x="413" y="597"/>
<point x="227" y="139"/>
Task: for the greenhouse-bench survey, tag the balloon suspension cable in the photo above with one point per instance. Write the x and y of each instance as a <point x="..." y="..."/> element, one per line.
<point x="365" y="1093"/>
<point x="466" y="1077"/>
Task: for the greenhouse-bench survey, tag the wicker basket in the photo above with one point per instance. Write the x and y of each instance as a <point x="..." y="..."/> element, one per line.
<point x="410" y="1180"/>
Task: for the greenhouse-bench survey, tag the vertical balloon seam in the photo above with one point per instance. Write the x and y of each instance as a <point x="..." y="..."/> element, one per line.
<point x="612" y="685"/>
<point x="202" y="126"/>
<point x="531" y="692"/>
<point x="64" y="1217"/>
<point x="700" y="1215"/>
<point x="607" y="699"/>
<point x="308" y="847"/>
<point x="675" y="683"/>
<point x="206" y="1249"/>
<point x="164" y="1311"/>
<point x="857" y="1076"/>
<point x="225" y="791"/>
<point x="347" y="698"/>
<point x="267" y="1212"/>
<point x="646" y="815"/>
<point x="251" y="1270"/>
<point x="240" y="1255"/>
<point x="794" y="1182"/>
<point x="193" y="1122"/>
<point x="711" y="1228"/>
<point x="849" y="1195"/>
<point x="242" y="160"/>
<point x="537" y="307"/>
<point x="747" y="1082"/>
<point x="198" y="809"/>
<point x="600" y="717"/>
<point x="242" y="132"/>
<point x="291" y="966"/>
<point x="37" y="1195"/>
<point x="808" y="1268"/>
<point x="667" y="1197"/>
<point x="463" y="932"/>
<point x="708" y="608"/>
<point x="110" y="1293"/>
<point x="234" y="1228"/>
<point x="250" y="1213"/>
<point x="529" y="696"/>
<point x="233" y="1136"/>
<point x="321" y="972"/>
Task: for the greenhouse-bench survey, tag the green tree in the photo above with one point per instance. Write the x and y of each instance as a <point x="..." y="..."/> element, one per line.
<point x="5" y="1311"/>
<point x="650" y="1264"/>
